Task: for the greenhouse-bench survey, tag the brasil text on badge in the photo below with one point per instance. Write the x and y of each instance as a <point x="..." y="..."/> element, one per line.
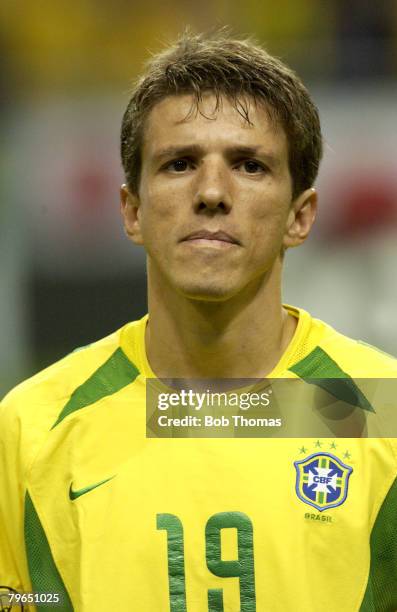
<point x="322" y="480"/>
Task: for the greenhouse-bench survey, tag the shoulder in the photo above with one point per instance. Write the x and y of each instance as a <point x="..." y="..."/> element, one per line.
<point x="356" y="357"/>
<point x="59" y="379"/>
<point x="323" y="352"/>
<point x="28" y="411"/>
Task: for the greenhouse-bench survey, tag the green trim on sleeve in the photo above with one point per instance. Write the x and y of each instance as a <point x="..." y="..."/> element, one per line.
<point x="381" y="591"/>
<point x="117" y="372"/>
<point x="318" y="368"/>
<point x="43" y="572"/>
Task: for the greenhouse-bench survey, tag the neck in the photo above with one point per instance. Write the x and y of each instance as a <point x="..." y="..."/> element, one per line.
<point x="242" y="337"/>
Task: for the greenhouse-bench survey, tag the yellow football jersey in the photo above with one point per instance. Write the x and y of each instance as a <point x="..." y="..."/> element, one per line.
<point x="95" y="511"/>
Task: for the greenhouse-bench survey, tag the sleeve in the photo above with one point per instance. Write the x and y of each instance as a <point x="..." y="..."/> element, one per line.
<point x="13" y="564"/>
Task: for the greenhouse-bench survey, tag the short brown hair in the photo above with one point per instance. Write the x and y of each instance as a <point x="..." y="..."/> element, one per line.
<point x="236" y="69"/>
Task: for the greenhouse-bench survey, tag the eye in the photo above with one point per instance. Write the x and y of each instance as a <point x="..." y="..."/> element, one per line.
<point x="251" y="166"/>
<point x="177" y="165"/>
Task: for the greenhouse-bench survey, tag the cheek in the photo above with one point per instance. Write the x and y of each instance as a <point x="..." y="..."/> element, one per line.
<point x="160" y="211"/>
<point x="157" y="208"/>
<point x="268" y="229"/>
<point x="269" y="218"/>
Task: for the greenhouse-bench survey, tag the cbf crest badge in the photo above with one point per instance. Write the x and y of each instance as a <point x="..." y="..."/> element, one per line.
<point x="322" y="480"/>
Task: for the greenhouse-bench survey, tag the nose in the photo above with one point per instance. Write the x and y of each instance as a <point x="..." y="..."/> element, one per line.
<point x="213" y="189"/>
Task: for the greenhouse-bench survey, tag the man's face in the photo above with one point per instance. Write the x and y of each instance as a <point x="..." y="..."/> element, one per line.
<point x="214" y="199"/>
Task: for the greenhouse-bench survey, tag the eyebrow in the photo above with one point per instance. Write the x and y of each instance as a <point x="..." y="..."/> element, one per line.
<point x="233" y="151"/>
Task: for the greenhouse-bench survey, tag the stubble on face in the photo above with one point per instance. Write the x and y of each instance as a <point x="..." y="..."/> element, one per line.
<point x="213" y="173"/>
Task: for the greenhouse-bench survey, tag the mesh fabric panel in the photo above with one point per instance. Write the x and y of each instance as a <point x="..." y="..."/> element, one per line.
<point x="44" y="574"/>
<point x="381" y="591"/>
<point x="113" y="375"/>
<point x="318" y="368"/>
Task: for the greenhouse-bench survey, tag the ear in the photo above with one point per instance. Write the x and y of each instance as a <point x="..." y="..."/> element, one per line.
<point x="129" y="207"/>
<point x="300" y="218"/>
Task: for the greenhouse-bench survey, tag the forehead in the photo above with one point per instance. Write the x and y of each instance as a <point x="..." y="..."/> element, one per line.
<point x="177" y="121"/>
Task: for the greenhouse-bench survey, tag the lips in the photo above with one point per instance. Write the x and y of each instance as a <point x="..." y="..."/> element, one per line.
<point x="206" y="235"/>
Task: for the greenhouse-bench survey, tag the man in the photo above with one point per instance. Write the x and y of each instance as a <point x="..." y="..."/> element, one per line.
<point x="221" y="145"/>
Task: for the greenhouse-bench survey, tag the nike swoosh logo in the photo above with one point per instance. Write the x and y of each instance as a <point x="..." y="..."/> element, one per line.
<point x="74" y="494"/>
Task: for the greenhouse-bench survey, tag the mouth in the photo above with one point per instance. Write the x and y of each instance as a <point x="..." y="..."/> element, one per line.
<point x="211" y="239"/>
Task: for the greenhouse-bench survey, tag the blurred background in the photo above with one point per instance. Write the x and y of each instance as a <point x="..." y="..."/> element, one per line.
<point x="68" y="274"/>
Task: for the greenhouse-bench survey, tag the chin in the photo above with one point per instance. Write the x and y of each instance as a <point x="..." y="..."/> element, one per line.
<point x="206" y="292"/>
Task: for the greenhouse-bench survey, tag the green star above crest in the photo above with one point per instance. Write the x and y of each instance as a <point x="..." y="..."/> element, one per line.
<point x="302" y="450"/>
<point x="347" y="455"/>
<point x="318" y="444"/>
<point x="333" y="445"/>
